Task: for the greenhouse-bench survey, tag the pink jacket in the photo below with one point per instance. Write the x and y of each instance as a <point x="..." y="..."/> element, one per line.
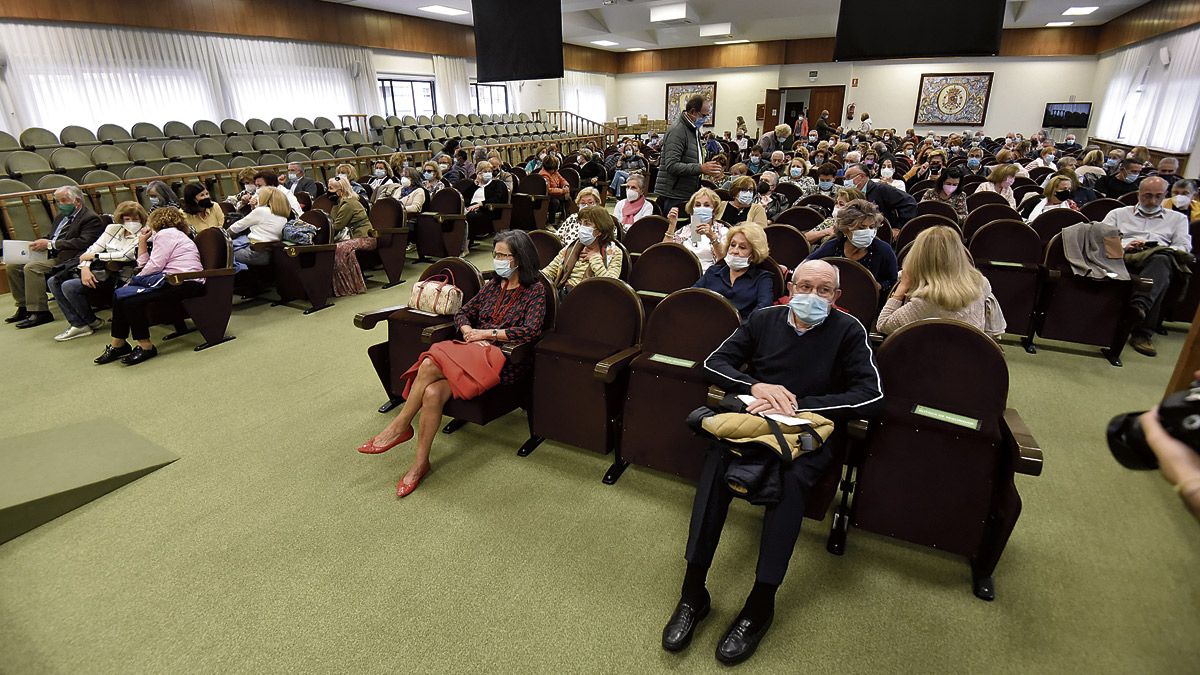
<point x="171" y="252"/>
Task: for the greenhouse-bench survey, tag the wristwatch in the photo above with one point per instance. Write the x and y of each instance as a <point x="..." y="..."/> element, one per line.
<point x="493" y="333"/>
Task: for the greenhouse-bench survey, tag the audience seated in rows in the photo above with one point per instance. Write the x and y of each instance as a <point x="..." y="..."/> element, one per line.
<point x="738" y="276"/>
<point x="855" y="227"/>
<point x="939" y="281"/>
<point x="569" y="230"/>
<point x="264" y="224"/>
<point x="509" y="309"/>
<point x="486" y="189"/>
<point x="703" y="234"/>
<point x="897" y="207"/>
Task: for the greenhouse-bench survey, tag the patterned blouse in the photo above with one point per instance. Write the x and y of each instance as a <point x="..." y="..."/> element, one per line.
<point x="520" y="313"/>
<point x="957" y="201"/>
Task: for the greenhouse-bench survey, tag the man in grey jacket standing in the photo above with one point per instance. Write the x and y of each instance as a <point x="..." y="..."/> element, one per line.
<point x="679" y="165"/>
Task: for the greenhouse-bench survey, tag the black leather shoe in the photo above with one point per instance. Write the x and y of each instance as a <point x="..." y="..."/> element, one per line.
<point x="112" y="353"/>
<point x="984" y="588"/>
<point x="679" y="630"/>
<point x="138" y="355"/>
<point x="740" y="641"/>
<point x="21" y="315"/>
<point x="36" y="319"/>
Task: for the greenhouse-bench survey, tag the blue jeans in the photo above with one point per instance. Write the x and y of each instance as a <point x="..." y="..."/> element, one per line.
<point x="618" y="181"/>
<point x="71" y="300"/>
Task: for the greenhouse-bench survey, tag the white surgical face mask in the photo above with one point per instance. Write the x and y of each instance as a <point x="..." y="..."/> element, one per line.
<point x="702" y="214"/>
<point x="862" y="238"/>
<point x="405" y="182"/>
<point x="886" y="172"/>
<point x="132" y="226"/>
<point x="342" y="176"/>
<point x="380" y="173"/>
<point x="443" y="167"/>
<point x="737" y="262"/>
<point x="487" y="176"/>
<point x="249" y="187"/>
<point x="631" y="194"/>
<point x="745" y="197"/>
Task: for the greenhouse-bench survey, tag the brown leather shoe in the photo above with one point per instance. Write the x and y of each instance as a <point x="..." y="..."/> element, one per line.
<point x="1143" y="345"/>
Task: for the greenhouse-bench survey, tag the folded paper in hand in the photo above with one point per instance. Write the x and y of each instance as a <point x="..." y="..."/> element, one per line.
<point x="782" y="419"/>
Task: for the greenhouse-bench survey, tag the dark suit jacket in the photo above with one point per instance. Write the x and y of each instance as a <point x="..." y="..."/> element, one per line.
<point x="896" y="205"/>
<point x="679" y="163"/>
<point x="495" y="192"/>
<point x="81" y="232"/>
<point x="308" y="185"/>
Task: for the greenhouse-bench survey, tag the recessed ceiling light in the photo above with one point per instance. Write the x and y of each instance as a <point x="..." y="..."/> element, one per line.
<point x="444" y="11"/>
<point x="730" y="42"/>
<point x="1079" y="11"/>
<point x="605" y="43"/>
<point x="636" y="49"/>
<point x="1060" y="24"/>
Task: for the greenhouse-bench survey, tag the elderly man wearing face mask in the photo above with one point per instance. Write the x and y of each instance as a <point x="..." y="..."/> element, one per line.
<point x="897" y="206"/>
<point x="778" y="139"/>
<point x="681" y="163"/>
<point x="802" y="356"/>
<point x="1157" y="247"/>
<point x="1070" y="145"/>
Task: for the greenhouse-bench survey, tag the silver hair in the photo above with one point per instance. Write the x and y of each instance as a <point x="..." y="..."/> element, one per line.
<point x="1186" y="184"/>
<point x="72" y="191"/>
<point x="1172" y="161"/>
<point x="819" y="264"/>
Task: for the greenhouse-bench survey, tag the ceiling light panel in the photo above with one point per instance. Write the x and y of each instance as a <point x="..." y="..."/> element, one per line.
<point x="443" y="10"/>
<point x="1079" y="11"/>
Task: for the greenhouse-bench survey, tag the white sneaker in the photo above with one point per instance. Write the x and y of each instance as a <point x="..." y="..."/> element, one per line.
<point x="73" y="332"/>
<point x="97" y="324"/>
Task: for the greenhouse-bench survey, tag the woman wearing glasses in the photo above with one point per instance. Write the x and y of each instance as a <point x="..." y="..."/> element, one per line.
<point x="510" y="308"/>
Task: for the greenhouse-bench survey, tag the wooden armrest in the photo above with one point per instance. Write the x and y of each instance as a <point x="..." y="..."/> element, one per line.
<point x="715" y="394"/>
<point x="390" y="230"/>
<point x="117" y="265"/>
<point x="295" y="250"/>
<point x="517" y="353"/>
<point x="438" y="332"/>
<point x="497" y="207"/>
<point x="368" y="320"/>
<point x="180" y="277"/>
<point x="1029" y="454"/>
<point x="264" y="245"/>
<point x="1003" y="264"/>
<point x="608" y="369"/>
<point x="857" y="429"/>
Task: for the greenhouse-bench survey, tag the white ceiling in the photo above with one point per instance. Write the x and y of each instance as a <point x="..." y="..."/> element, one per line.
<point x="627" y="22"/>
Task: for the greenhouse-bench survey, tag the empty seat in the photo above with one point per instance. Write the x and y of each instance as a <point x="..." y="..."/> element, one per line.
<point x="860" y="291"/>
<point x="424" y="121"/>
<point x="27" y="167"/>
<point x="938" y="467"/>
<point x="26" y="218"/>
<point x="441" y="230"/>
<point x="220" y="185"/>
<point x="210" y="310"/>
<point x="74" y="137"/>
<point x="297" y="156"/>
<point x="145" y="131"/>
<point x="140" y="172"/>
<point x="661" y="270"/>
<point x="41" y="141"/>
<point x="1009" y="254"/>
<point x="788" y="245"/>
<point x="232" y="127"/>
<point x="919" y="224"/>
<point x="800" y="217"/>
<point x="390" y="222"/>
<point x="1050" y="223"/>
<point x="265" y="143"/>
<point x="982" y="215"/>
<point x="979" y="198"/>
<point x="314" y="141"/>
<point x="271" y="159"/>
<point x="114" y="134"/>
<point x="304" y="272"/>
<point x="240" y="147"/>
<point x="1098" y="208"/>
<point x="279" y="124"/>
<point x="334" y="139"/>
<point x="211" y="148"/>
<point x="357" y="140"/>
<point x="241" y="163"/>
<point x="53" y="181"/>
<point x="935" y="207"/>
<point x="179" y="130"/>
<point x="72" y="162"/>
<point x="257" y="126"/>
<point x="324" y="123"/>
<point x="106" y="197"/>
<point x="289" y="142"/>
<point x="644" y="233"/>
<point x="547" y="245"/>
<point x="667" y="381"/>
<point x="182" y="151"/>
<point x="110" y="157"/>
<point x="303" y="124"/>
<point x="147" y="154"/>
<point x="207" y="129"/>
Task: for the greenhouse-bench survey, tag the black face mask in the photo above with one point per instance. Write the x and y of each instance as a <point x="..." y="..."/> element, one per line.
<point x="205" y="203"/>
<point x="935" y="168"/>
<point x="1062" y="195"/>
<point x="763" y="187"/>
<point x="333" y="197"/>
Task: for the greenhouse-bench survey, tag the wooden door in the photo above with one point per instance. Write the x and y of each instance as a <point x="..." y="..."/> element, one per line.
<point x="771" y="111"/>
<point x="826" y="98"/>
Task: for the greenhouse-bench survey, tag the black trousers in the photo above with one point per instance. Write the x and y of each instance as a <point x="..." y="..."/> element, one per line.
<point x="781" y="522"/>
<point x="130" y="317"/>
<point x="668" y="203"/>
<point x="1160" y="269"/>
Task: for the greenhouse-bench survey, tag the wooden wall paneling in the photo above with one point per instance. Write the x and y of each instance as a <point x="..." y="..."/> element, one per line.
<point x="815" y="50"/>
<point x="1151" y="19"/>
<point x="1049" y="41"/>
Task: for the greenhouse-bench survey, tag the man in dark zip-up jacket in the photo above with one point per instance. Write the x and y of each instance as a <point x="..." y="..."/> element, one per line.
<point x="798" y="359"/>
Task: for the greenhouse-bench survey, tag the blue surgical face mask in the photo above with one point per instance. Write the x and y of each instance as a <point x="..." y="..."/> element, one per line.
<point x="379" y="173"/>
<point x="1131" y="178"/>
<point x="702" y="214"/>
<point x="849" y="182"/>
<point x="292" y="175"/>
<point x="973" y="162"/>
<point x="503" y="267"/>
<point x="862" y="238"/>
<point x="587" y="235"/>
<point x="746" y="196"/>
<point x="701" y="121"/>
<point x="809" y="308"/>
<point x="796" y="172"/>
<point x="154" y="201"/>
<point x="826" y="185"/>
<point x="428" y="175"/>
<point x="1110" y="163"/>
<point x="755" y="160"/>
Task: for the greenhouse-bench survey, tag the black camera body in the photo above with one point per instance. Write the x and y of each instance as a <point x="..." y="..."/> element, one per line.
<point x="1179" y="414"/>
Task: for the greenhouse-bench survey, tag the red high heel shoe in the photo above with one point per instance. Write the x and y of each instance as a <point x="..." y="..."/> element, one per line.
<point x="369" y="448"/>
<point x="405" y="489"/>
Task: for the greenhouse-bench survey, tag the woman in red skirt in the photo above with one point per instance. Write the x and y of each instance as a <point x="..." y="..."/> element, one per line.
<point x="508" y="309"/>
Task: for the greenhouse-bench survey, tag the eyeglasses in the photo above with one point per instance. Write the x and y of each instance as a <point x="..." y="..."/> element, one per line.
<point x="503" y="256"/>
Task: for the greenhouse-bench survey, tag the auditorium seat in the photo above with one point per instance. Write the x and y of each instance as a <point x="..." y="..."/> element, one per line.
<point x="239" y="146"/>
<point x="644" y="233"/>
<point x="146" y="132"/>
<point x="986" y="213"/>
<point x="800" y="217"/>
<point x="175" y="130"/>
<point x="356" y="140"/>
<point x="27" y="167"/>
<point x="334" y="139"/>
<point x="208" y="129"/>
<point x="441" y="230"/>
<point x="392" y="357"/>
<point x="210" y="311"/>
<point x="790" y="191"/>
<point x="1098" y="208"/>
<point x="918" y="189"/>
<point x="662" y="269"/>
<point x="179" y="151"/>
<point x="303" y="125"/>
<point x="919" y="224"/>
<point x="938" y="467"/>
<point x="531" y="206"/>
<point x="818" y="200"/>
<point x="256" y="126"/>
<point x="280" y="125"/>
<point x="241" y="163"/>
<point x="270" y="159"/>
<point x="1050" y="223"/>
<point x="105" y="199"/>
<point x="1023" y="192"/>
<point x="265" y="143"/>
<point x="76" y="137"/>
<point x="860" y="291"/>
<point x="147" y="154"/>
<point x="291" y="142"/>
<point x="232" y="127"/>
<point x="390" y="222"/>
<point x="27" y="217"/>
<point x="211" y="148"/>
<point x="53" y="181"/>
<point x="304" y="272"/>
<point x="323" y="124"/>
<point x="788" y="245"/>
<point x="221" y="185"/>
<point x="666" y="381"/>
<point x="113" y="134"/>
<point x="138" y="171"/>
<point x="1009" y="254"/>
<point x="1077" y="309"/>
<point x="71" y="162"/>
<point x="1128" y="199"/>
<point x="934" y="207"/>
<point x="978" y="199"/>
<point x="547" y="245"/>
<point x="1183" y="308"/>
<point x="581" y="369"/>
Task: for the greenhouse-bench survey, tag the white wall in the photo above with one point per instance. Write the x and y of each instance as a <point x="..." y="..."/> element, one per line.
<point x="402" y="63"/>
<point x="739" y="90"/>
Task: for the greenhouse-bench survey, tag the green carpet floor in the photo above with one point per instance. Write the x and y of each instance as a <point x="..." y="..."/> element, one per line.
<point x="271" y="546"/>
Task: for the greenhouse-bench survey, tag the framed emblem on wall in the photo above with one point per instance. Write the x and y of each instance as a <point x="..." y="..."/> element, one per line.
<point x="947" y="99"/>
<point x="680" y="92"/>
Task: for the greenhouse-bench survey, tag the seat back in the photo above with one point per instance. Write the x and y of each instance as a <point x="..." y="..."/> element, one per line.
<point x="935" y="207"/>
<point x="1009" y="253"/>
<point x="145" y="131"/>
<point x="1050" y="223"/>
<point x="548" y="245"/>
<point x="595" y="297"/>
<point x="787" y="245"/>
<point x="980" y="197"/>
<point x="1098" y="208"/>
<point x="257" y="126"/>
<point x="74" y="136"/>
<point x="53" y="181"/>
<point x="446" y="202"/>
<point x="800" y="217"/>
<point x="860" y="291"/>
<point x="216" y="252"/>
<point x="26" y="166"/>
<point x="790" y="191"/>
<point x="35" y="138"/>
<point x="934" y="464"/>
<point x="465" y="275"/>
<point x="24" y="220"/>
<point x="982" y="215"/>
<point x="824" y="201"/>
<point x="1078" y="309"/>
<point x="113" y="133"/>
<point x="919" y="224"/>
<point x="644" y="233"/>
<point x="661" y="270"/>
<point x="207" y="129"/>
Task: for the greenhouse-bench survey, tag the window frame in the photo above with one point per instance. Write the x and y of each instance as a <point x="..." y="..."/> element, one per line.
<point x="390" y="80"/>
<point x="491" y="97"/>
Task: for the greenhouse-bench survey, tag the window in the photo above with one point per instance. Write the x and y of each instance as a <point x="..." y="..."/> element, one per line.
<point x="489" y="99"/>
<point x="407" y="97"/>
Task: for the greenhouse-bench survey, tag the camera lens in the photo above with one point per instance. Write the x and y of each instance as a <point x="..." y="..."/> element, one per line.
<point x="1128" y="444"/>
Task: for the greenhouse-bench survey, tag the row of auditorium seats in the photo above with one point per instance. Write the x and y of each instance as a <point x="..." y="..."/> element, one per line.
<point x="624" y="385"/>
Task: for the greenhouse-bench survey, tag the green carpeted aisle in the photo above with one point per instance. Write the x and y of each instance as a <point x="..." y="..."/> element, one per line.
<point x="271" y="546"/>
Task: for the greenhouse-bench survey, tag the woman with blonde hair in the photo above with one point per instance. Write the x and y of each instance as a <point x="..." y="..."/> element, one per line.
<point x="1000" y="180"/>
<point x="348" y="215"/>
<point x="738" y="276"/>
<point x="856" y="225"/>
<point x="1058" y="194"/>
<point x="824" y="229"/>
<point x="588" y="196"/>
<point x="743" y="208"/>
<point x="348" y="172"/>
<point x="703" y="233"/>
<point x="265" y="224"/>
<point x="592" y="254"/>
<point x="939" y="281"/>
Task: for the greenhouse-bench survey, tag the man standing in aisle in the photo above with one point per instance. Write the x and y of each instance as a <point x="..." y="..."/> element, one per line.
<point x="680" y="164"/>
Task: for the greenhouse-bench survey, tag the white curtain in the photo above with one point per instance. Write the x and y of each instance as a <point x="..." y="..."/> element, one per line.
<point x="450" y="83"/>
<point x="63" y="75"/>
<point x="515" y="98"/>
<point x="584" y="94"/>
<point x="1147" y="103"/>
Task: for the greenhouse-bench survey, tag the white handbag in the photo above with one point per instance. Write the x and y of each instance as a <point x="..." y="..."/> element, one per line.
<point x="436" y="295"/>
